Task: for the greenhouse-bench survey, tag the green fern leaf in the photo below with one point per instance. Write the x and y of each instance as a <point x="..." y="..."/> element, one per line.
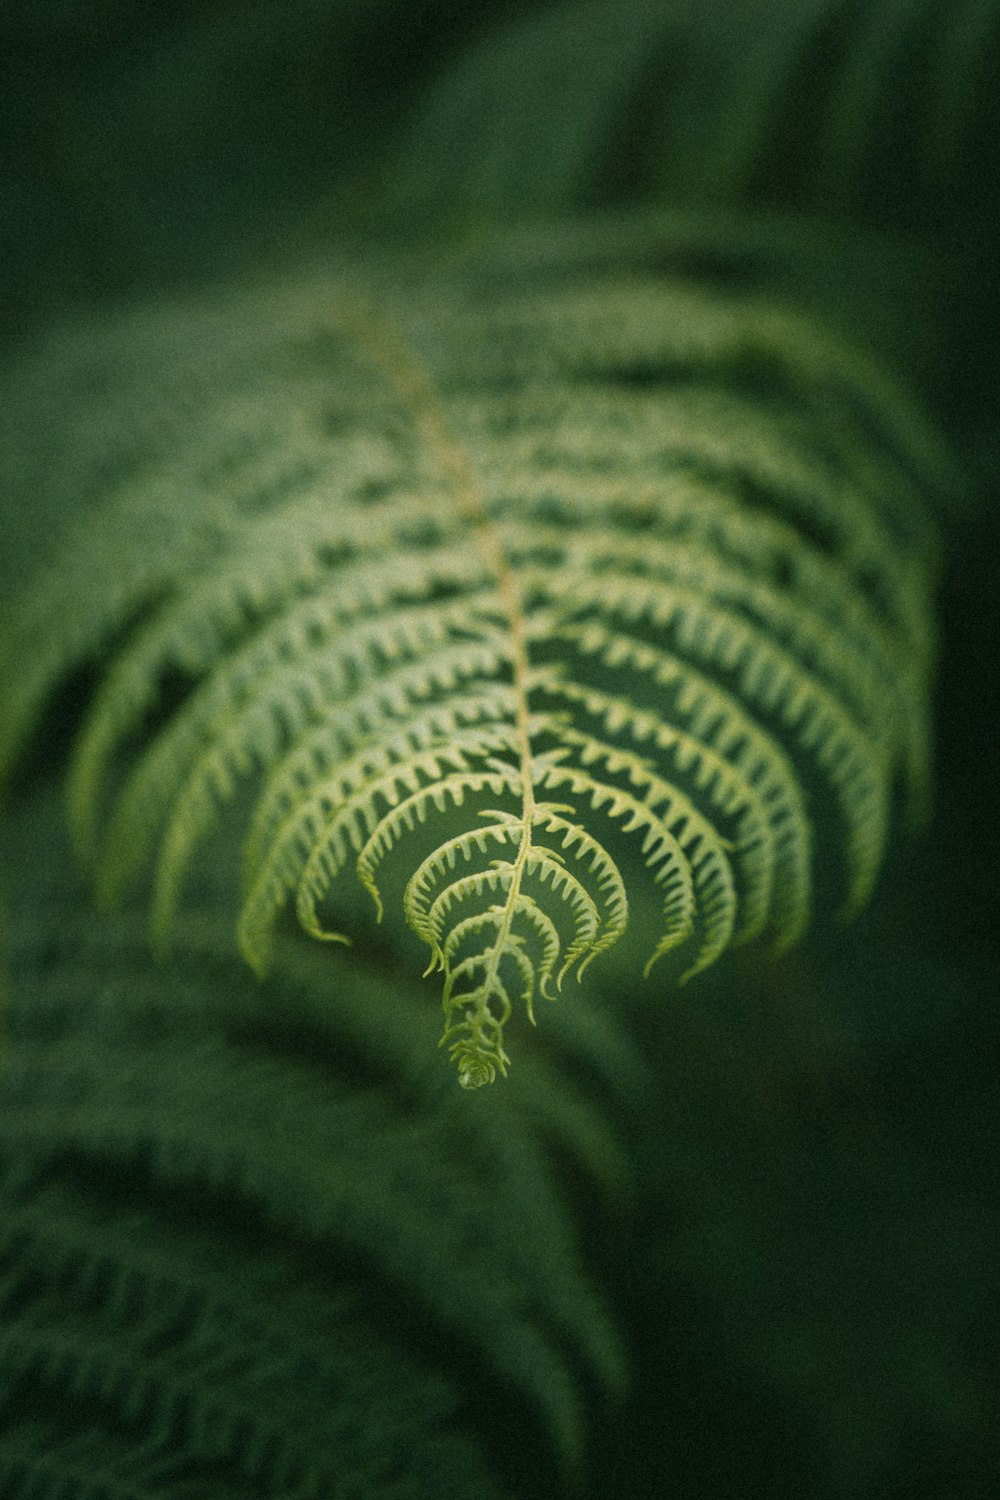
<point x="634" y="592"/>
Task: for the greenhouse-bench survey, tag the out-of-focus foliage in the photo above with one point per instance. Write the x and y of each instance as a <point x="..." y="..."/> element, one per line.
<point x="228" y="1206"/>
<point x="880" y="117"/>
<point x="885" y="113"/>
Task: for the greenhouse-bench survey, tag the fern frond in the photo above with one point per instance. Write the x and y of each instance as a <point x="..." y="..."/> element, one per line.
<point x="635" y="588"/>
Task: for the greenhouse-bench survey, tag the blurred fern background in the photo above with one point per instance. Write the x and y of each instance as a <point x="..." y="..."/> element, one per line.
<point x="735" y="1240"/>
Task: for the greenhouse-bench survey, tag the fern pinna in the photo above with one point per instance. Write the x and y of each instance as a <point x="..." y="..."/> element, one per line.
<point x="492" y="587"/>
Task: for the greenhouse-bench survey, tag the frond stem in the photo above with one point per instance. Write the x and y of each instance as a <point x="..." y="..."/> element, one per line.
<point x="419" y="396"/>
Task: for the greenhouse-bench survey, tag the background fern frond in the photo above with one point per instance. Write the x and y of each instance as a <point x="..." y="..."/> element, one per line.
<point x="860" y="136"/>
<point x="142" y="1100"/>
<point x="884" y="106"/>
<point x="147" y="1353"/>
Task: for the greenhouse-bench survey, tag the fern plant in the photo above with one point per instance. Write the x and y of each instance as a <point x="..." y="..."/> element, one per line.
<point x="517" y="600"/>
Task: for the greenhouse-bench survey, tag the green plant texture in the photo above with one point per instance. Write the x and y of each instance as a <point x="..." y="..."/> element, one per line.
<point x="495" y="551"/>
